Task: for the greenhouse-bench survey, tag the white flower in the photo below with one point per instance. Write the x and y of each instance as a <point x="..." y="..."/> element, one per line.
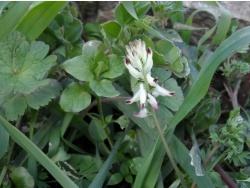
<point x="135" y="73"/>
<point x="162" y="91"/>
<point x="142" y="114"/>
<point x="139" y="63"/>
<point x="153" y="101"/>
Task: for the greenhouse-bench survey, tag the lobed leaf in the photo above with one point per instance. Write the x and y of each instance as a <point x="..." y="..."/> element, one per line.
<point x="23" y="67"/>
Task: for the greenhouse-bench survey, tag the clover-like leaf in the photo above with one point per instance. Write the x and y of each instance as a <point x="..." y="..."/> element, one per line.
<point x="173" y="58"/>
<point x="23" y="67"/>
<point x="115" y="67"/>
<point x="74" y="98"/>
<point x="80" y="67"/>
<point x="103" y="88"/>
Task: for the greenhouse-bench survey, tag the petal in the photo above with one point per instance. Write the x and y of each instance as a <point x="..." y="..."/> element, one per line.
<point x="142" y="114"/>
<point x="135" y="98"/>
<point x="135" y="73"/>
<point x="152" y="81"/>
<point x="137" y="62"/>
<point x="162" y="91"/>
<point x="149" y="64"/>
<point x="143" y="95"/>
<point x="153" y="101"/>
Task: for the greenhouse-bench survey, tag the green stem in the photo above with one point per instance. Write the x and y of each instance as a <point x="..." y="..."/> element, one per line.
<point x="167" y="148"/>
<point x="99" y="106"/>
<point x="178" y="172"/>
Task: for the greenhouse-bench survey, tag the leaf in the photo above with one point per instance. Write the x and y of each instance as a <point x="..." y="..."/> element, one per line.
<point x="34" y="151"/>
<point x="122" y="16"/>
<point x="115" y="67"/>
<point x="96" y="130"/>
<point x="103" y="88"/>
<point x="111" y="30"/>
<point x="90" y="48"/>
<point x="128" y="5"/>
<point x="10" y="19"/>
<point x="74" y="98"/>
<point x="73" y="31"/>
<point x="4" y="140"/>
<point x="80" y="67"/>
<point x="115" y="179"/>
<point x="38" y="18"/>
<point x="21" y="178"/>
<point x="22" y="69"/>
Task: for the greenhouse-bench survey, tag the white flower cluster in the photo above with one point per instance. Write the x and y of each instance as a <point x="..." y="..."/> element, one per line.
<point x="139" y="63"/>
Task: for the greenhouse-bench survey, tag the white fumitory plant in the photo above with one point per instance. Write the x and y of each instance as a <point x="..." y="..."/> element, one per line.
<point x="139" y="63"/>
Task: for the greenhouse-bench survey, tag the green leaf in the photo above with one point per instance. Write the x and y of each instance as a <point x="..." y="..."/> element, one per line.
<point x="123" y="121"/>
<point x="115" y="179"/>
<point x="34" y="151"/>
<point x="23" y="67"/>
<point x="196" y="159"/>
<point x="80" y="67"/>
<point x="128" y="5"/>
<point x="21" y="178"/>
<point x="74" y="98"/>
<point x="90" y="48"/>
<point x="112" y="30"/>
<point x="96" y="130"/>
<point x="103" y="88"/>
<point x="4" y="140"/>
<point x="122" y="16"/>
<point x="38" y="18"/>
<point x="12" y="17"/>
<point x="73" y="31"/>
<point x="115" y="67"/>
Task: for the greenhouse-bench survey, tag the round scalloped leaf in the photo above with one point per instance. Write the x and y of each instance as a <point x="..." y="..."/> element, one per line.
<point x="22" y="69"/>
<point x="74" y="98"/>
<point x="103" y="88"/>
<point x="80" y="67"/>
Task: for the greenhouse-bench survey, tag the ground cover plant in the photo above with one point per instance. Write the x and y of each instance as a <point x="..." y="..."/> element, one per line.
<point x="133" y="104"/>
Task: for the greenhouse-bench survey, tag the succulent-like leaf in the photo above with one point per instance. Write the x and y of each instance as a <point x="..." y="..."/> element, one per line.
<point x="23" y="67"/>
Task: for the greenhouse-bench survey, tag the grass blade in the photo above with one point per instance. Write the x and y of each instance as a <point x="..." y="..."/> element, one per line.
<point x="38" y="18"/>
<point x="34" y="151"/>
<point x="12" y="17"/>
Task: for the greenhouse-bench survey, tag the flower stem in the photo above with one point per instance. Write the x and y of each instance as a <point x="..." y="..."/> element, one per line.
<point x="157" y="125"/>
<point x="167" y="148"/>
<point x="99" y="106"/>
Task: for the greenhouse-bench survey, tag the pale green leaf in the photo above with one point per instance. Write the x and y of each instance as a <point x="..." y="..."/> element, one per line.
<point x="115" y="67"/>
<point x="74" y="98"/>
<point x="196" y="159"/>
<point x="103" y="88"/>
<point x="80" y="67"/>
<point x="115" y="179"/>
<point x="23" y="67"/>
<point x="90" y="48"/>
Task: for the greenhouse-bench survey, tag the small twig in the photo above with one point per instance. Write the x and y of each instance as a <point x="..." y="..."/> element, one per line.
<point x="225" y="177"/>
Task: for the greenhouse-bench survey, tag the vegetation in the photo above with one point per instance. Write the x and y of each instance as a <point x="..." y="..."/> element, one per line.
<point x="134" y="104"/>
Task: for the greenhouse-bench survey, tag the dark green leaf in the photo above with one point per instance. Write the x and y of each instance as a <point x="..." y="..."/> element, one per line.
<point x="115" y="67"/>
<point x="4" y="140"/>
<point x="122" y="16"/>
<point x="115" y="179"/>
<point x="73" y="31"/>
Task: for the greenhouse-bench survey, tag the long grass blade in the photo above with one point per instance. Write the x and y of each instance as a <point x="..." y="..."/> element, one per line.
<point x="34" y="151"/>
